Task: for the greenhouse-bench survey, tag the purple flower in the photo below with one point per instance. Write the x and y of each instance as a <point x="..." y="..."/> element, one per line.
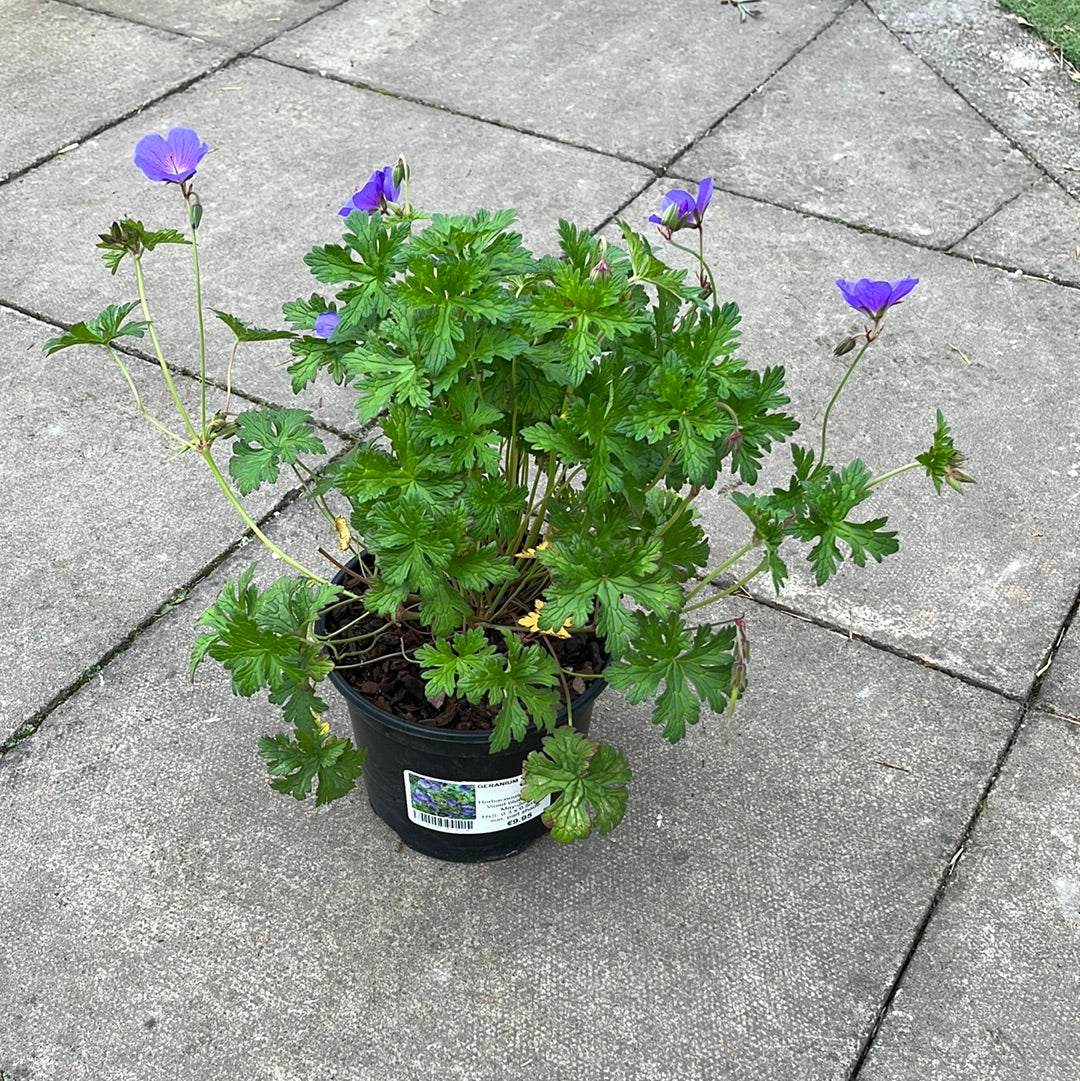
<point x="872" y="298"/>
<point x="173" y="159"/>
<point x="680" y="210"/>
<point x="326" y="323"/>
<point x="375" y="194"/>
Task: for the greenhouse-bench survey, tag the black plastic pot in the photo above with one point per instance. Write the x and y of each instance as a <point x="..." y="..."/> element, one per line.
<point x="441" y="790"/>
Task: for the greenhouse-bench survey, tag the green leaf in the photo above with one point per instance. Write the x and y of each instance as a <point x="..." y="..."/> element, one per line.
<point x="759" y="428"/>
<point x="830" y="498"/>
<point x="301" y="314"/>
<point x="261" y="637"/>
<point x="648" y="269"/>
<point x="333" y="765"/>
<point x="132" y="237"/>
<point x="588" y="778"/>
<point x="589" y="571"/>
<point x="100" y="330"/>
<point x="524" y="689"/>
<point x="495" y="508"/>
<point x="333" y="264"/>
<point x="468" y="427"/>
<point x="245" y="332"/>
<point x="684" y="546"/>
<point x="691" y="669"/>
<point x="943" y="461"/>
<point x="467" y="659"/>
<point x="386" y="379"/>
<point x="478" y="568"/>
<point x="379" y="241"/>
<point x="266" y="439"/>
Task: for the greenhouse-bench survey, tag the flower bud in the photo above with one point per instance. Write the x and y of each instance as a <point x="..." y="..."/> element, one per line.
<point x="845" y="346"/>
<point x="602" y="269"/>
<point x="670" y="216"/>
<point x="732" y="441"/>
<point x="401" y="172"/>
<point x="954" y="477"/>
<point x="194" y="209"/>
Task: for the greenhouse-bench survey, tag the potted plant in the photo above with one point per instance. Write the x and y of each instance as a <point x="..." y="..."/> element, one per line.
<point x="522" y="528"/>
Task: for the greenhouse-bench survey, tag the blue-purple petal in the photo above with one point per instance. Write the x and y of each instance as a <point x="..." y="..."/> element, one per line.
<point x="901" y="289"/>
<point x="379" y="190"/>
<point x="326" y="323"/>
<point x="680" y="210"/>
<point x="704" y="196"/>
<point x="172" y="159"/>
<point x="872" y="297"/>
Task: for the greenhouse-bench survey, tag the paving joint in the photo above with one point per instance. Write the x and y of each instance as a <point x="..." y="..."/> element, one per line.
<point x="180" y="596"/>
<point x="195" y="37"/>
<point x="712" y="127"/>
<point x="1028" y="707"/>
<point x="881" y="646"/>
<point x="464" y="114"/>
<point x="81" y="137"/>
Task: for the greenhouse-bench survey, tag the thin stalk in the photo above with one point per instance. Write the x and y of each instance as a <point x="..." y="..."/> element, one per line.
<point x="199" y="315"/>
<point x="661" y="472"/>
<point x="511" y="443"/>
<point x="684" y="502"/>
<point x="870" y="338"/>
<point x="320" y="501"/>
<point x="892" y="473"/>
<point x="708" y="579"/>
<point x="184" y="443"/>
<point x="747" y="578"/>
<point x="250" y="522"/>
<point x="699" y="255"/>
<point x="228" y="378"/>
<point x="562" y="680"/>
<point x="167" y="375"/>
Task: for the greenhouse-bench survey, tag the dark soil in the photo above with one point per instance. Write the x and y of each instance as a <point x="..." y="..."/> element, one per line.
<point x="393" y="682"/>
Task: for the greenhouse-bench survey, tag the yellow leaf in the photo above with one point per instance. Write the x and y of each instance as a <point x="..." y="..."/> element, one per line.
<point x="344" y="537"/>
<point x="530" y="553"/>
<point x="532" y="622"/>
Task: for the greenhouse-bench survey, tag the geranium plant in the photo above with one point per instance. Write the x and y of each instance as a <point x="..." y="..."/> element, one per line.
<point x="543" y="428"/>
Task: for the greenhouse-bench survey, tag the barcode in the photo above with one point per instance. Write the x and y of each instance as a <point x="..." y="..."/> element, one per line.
<point x="445" y="823"/>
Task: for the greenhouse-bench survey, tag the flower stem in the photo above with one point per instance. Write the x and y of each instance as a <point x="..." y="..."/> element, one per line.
<point x="870" y="337"/>
<point x="891" y="473"/>
<point x="185" y="444"/>
<point x="240" y="509"/>
<point x="166" y="374"/>
<point x="708" y="579"/>
<point x="731" y="589"/>
<point x="199" y="314"/>
<point x="700" y="257"/>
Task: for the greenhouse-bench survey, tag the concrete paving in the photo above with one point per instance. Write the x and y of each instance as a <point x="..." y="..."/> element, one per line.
<point x="874" y="875"/>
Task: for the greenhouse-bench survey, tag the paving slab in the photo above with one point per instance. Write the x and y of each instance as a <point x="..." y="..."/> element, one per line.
<point x="241" y="24"/>
<point x="994" y="988"/>
<point x="983" y="580"/>
<point x="1038" y="231"/>
<point x="269" y="192"/>
<point x="45" y="109"/>
<point x="824" y="135"/>
<point x="1005" y="71"/>
<point x="631" y="79"/>
<point x="93" y="539"/>
<point x="745" y="920"/>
